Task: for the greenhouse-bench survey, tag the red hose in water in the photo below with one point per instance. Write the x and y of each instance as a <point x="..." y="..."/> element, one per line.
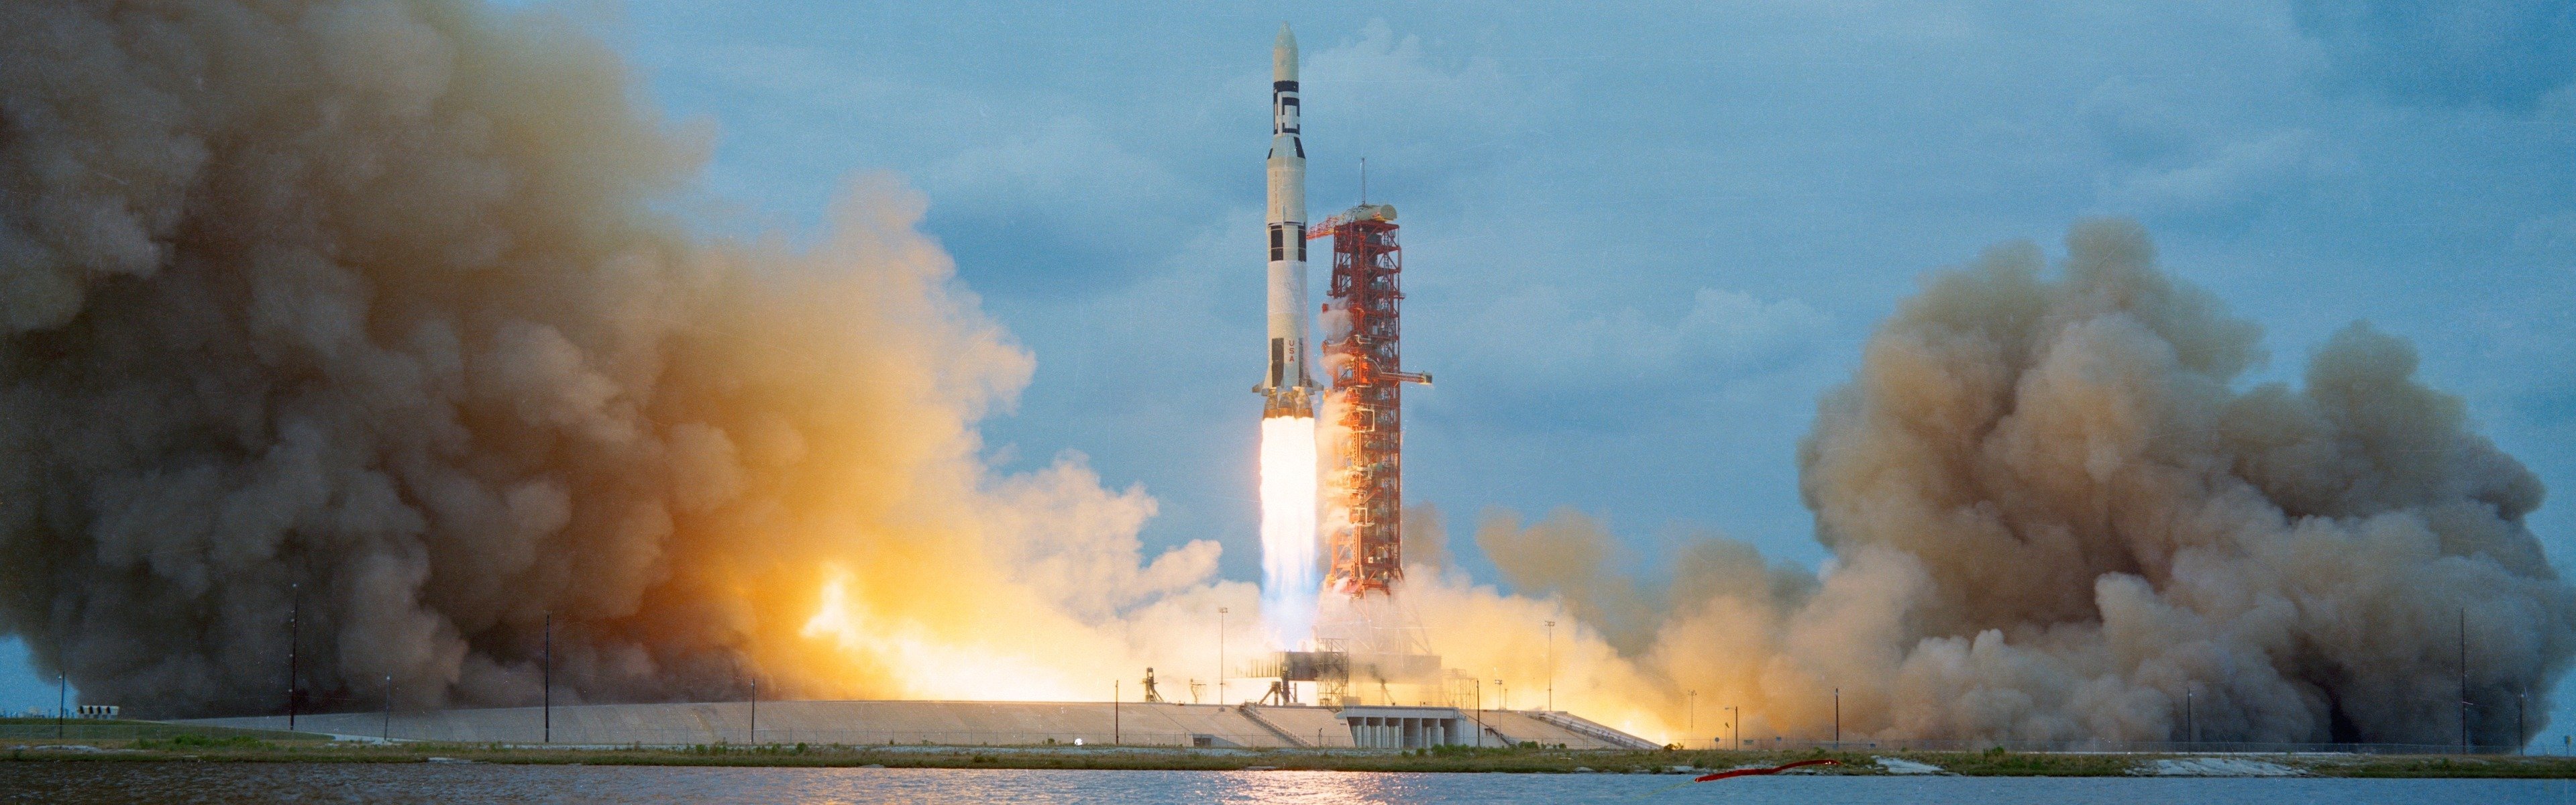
<point x="1773" y="770"/>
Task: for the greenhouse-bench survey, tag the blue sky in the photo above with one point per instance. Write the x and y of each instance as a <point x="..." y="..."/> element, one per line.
<point x="1643" y="237"/>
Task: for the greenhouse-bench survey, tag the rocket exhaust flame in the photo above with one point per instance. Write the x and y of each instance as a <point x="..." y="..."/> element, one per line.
<point x="937" y="666"/>
<point x="1289" y="578"/>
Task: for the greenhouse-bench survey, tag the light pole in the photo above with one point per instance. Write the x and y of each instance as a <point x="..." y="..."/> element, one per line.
<point x="1220" y="654"/>
<point x="1690" y="713"/>
<point x="1551" y="666"/>
<point x="2190" y="734"/>
<point x="1504" y="693"/>
<point x="294" y="608"/>
<point x="550" y="682"/>
<point x="62" y="700"/>
<point x="388" y="735"/>
<point x="1735" y="724"/>
<point x="1480" y="714"/>
<point x="752" y="735"/>
<point x="1838" y="719"/>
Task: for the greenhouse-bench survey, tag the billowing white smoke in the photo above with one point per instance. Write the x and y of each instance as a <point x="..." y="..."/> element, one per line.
<point x="361" y="308"/>
<point x="2054" y="512"/>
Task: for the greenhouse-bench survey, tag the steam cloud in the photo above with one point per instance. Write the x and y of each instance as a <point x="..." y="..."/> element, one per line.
<point x="2053" y="514"/>
<point x="2076" y="519"/>
<point x="361" y="311"/>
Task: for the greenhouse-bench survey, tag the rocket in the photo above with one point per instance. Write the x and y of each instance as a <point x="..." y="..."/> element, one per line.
<point x="1288" y="389"/>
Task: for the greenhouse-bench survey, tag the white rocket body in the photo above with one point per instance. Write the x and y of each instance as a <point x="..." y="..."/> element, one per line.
<point x="1287" y="388"/>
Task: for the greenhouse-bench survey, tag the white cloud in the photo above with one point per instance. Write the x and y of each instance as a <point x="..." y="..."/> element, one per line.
<point x="2228" y="177"/>
<point x="1068" y="157"/>
<point x="1388" y="97"/>
<point x="1540" y="342"/>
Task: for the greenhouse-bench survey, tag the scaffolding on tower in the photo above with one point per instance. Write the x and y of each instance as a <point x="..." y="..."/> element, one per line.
<point x="1369" y="647"/>
<point x="1364" y="362"/>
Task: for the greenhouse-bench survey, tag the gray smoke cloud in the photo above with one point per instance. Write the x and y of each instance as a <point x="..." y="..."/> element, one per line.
<point x="361" y="311"/>
<point x="2055" y="511"/>
<point x="2086" y="518"/>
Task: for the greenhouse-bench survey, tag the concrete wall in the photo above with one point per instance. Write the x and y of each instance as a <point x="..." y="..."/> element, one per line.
<point x="900" y="722"/>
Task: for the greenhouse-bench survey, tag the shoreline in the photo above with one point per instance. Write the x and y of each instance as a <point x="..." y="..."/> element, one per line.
<point x="242" y="749"/>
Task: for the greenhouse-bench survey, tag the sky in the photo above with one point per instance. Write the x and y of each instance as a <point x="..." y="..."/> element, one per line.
<point x="1641" y="239"/>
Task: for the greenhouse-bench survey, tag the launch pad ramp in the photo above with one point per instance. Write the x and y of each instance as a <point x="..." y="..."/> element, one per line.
<point x="1586" y="727"/>
<point x="1253" y="713"/>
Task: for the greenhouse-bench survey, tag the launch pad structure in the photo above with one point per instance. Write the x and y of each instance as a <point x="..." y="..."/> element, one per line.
<point x="1365" y="367"/>
<point x="1365" y="647"/>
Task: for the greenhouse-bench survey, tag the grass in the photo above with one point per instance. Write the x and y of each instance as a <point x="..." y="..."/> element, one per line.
<point x="1999" y="763"/>
<point x="115" y="731"/>
<point x="246" y="748"/>
<point x="190" y="741"/>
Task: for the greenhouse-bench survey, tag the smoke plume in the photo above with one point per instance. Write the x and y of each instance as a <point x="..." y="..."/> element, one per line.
<point x="2054" y="512"/>
<point x="2092" y="519"/>
<point x="372" y="314"/>
<point x="379" y="315"/>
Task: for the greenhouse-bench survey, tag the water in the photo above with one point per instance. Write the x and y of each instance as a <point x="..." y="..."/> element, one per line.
<point x="108" y="781"/>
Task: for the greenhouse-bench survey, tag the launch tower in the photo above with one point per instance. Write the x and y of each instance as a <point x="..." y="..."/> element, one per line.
<point x="1365" y="363"/>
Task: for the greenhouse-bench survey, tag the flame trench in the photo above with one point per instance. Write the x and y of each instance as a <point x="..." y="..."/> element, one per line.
<point x="1288" y="569"/>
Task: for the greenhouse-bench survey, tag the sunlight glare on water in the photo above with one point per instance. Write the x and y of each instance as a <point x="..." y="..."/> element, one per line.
<point x="467" y="784"/>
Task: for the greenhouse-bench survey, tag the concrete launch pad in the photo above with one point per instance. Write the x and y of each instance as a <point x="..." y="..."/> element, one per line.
<point x="969" y="724"/>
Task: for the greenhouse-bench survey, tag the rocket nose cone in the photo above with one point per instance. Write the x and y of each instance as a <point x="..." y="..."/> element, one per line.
<point x="1283" y="56"/>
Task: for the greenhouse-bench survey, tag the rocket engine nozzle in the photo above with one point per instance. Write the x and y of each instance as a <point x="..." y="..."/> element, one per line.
<point x="1293" y="401"/>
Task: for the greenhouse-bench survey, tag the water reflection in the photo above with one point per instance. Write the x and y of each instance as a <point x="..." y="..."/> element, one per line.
<point x="86" y="782"/>
<point x="1321" y="787"/>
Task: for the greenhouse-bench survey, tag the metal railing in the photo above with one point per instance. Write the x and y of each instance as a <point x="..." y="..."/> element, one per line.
<point x="1587" y="728"/>
<point x="1253" y="714"/>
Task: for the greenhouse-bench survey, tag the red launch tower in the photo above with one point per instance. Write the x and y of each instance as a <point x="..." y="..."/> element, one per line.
<point x="1364" y="365"/>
